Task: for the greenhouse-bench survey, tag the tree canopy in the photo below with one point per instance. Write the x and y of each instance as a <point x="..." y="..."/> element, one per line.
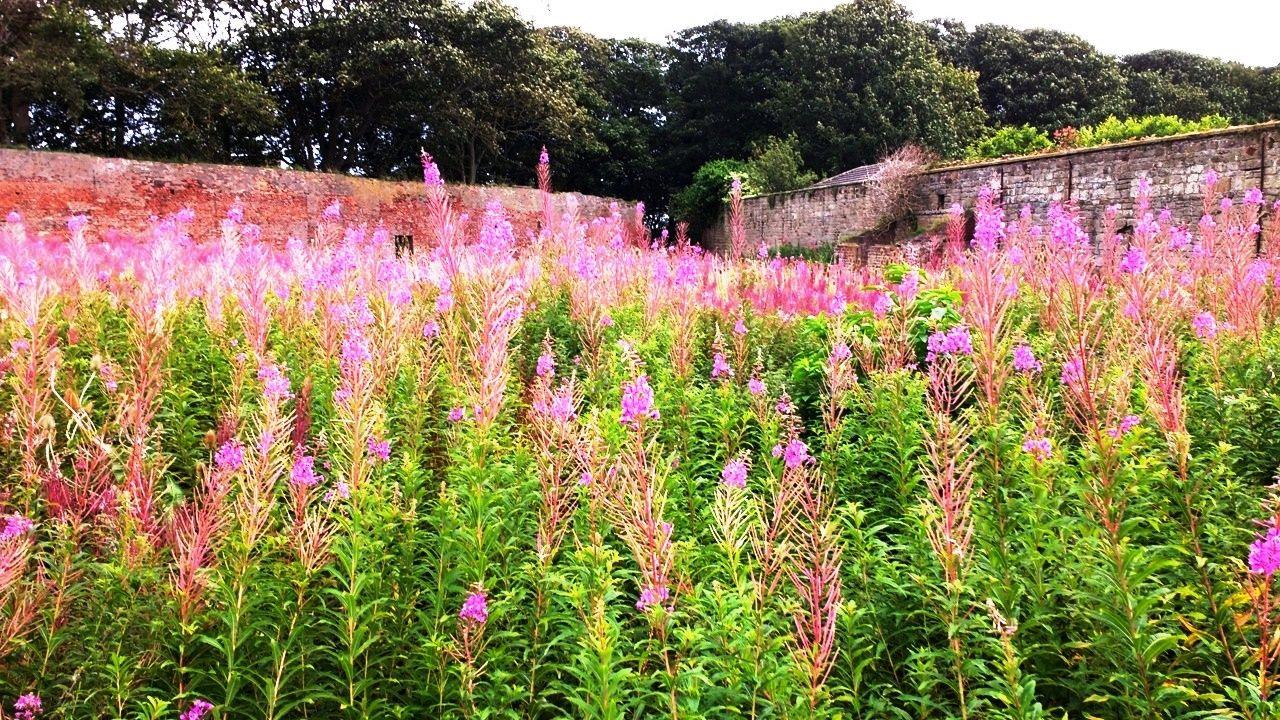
<point x="360" y="86"/>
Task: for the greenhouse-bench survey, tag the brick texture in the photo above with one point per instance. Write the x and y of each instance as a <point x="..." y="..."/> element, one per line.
<point x="1091" y="178"/>
<point x="120" y="196"/>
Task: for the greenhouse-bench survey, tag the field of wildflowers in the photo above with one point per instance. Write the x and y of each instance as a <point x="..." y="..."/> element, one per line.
<point x="595" y="474"/>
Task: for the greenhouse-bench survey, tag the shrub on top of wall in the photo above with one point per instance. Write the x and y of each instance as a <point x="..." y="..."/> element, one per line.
<point x="1114" y="129"/>
<point x="1011" y="140"/>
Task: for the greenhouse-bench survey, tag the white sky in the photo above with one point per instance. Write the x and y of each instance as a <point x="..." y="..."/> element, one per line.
<point x="1244" y="30"/>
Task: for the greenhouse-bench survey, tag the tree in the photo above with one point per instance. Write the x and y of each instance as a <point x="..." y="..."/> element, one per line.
<point x="865" y="79"/>
<point x="776" y="165"/>
<point x="1190" y="85"/>
<point x="623" y="91"/>
<point x="1043" y="78"/>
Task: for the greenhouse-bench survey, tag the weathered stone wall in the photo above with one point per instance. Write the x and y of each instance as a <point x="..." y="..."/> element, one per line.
<point x="1091" y="178"/>
<point x="120" y="196"/>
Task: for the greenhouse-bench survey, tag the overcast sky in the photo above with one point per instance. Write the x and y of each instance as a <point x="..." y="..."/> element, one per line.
<point x="1243" y="30"/>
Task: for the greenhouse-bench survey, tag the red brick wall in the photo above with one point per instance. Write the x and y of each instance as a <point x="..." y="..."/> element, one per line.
<point x="121" y="196"/>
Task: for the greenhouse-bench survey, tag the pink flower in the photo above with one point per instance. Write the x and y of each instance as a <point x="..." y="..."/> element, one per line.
<point x="720" y="367"/>
<point x="28" y="707"/>
<point x="275" y="386"/>
<point x="198" y="710"/>
<point x="1073" y="372"/>
<point x="882" y="304"/>
<point x="1024" y="360"/>
<point x="444" y="303"/>
<point x="380" y="449"/>
<point x="230" y="457"/>
<point x="1264" y="553"/>
<point x="795" y="454"/>
<point x="457" y="414"/>
<point x="430" y="330"/>
<point x="1134" y="261"/>
<point x="431" y="172"/>
<point x="333" y="212"/>
<point x="341" y="491"/>
<point x="755" y="386"/>
<point x="637" y="402"/>
<point x="654" y="595"/>
<point x="13" y="218"/>
<point x="1205" y="326"/>
<point x="585" y="479"/>
<point x="1127" y="423"/>
<point x="475" y="609"/>
<point x="735" y="473"/>
<point x="740" y="327"/>
<point x="77" y="223"/>
<point x="955" y="341"/>
<point x="546" y="365"/>
<point x="1253" y="196"/>
<point x="303" y="473"/>
<point x="1210" y="178"/>
<point x="1038" y="447"/>
<point x="16" y="525"/>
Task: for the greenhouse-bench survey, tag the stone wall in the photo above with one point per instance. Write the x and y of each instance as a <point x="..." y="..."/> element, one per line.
<point x="120" y="196"/>
<point x="1092" y="178"/>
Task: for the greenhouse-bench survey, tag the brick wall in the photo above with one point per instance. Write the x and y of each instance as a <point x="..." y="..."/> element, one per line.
<point x="1092" y="178"/>
<point x="121" y="195"/>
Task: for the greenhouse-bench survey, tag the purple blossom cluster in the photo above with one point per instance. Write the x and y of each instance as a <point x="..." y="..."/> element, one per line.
<point x="1024" y="360"/>
<point x="637" y="402"/>
<point x="955" y="341"/>
<point x="16" y="525"/>
<point x="475" y="609"/>
<point x="1264" y="553"/>
<point x="229" y="457"/>
<point x="734" y="473"/>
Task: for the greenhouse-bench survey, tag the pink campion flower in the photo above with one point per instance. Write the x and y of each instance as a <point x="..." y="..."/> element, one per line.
<point x="606" y="320"/>
<point x="1264" y="553"/>
<point x="198" y="710"/>
<point x="77" y="222"/>
<point x="235" y="213"/>
<point x="1024" y="360"/>
<point x="333" y="213"/>
<point x="1179" y="238"/>
<point x="16" y="525"/>
<point x="1072" y="372"/>
<point x="1039" y="448"/>
<point x="740" y="327"/>
<point x="762" y="251"/>
<point x="654" y="595"/>
<point x="431" y="172"/>
<point x="430" y="330"/>
<point x="955" y="341"/>
<point x="840" y="352"/>
<point x="1127" y="423"/>
<point x="444" y="303"/>
<point x="1134" y="261"/>
<point x="1253" y="196"/>
<point x="275" y="385"/>
<point x="13" y="218"/>
<point x="637" y="402"/>
<point x="544" y="158"/>
<point x="380" y="448"/>
<point x="546" y="365"/>
<point x="1210" y="178"/>
<point x="585" y="478"/>
<point x="475" y="609"/>
<point x="1226" y="204"/>
<point x="720" y="367"/>
<point x="340" y="491"/>
<point x="756" y="386"/>
<point x="185" y="216"/>
<point x="1205" y="325"/>
<point x="28" y="707"/>
<point x="882" y="305"/>
<point x="909" y="287"/>
<point x="796" y="454"/>
<point x="735" y="473"/>
<point x="230" y="457"/>
<point x="457" y="414"/>
<point x="303" y="472"/>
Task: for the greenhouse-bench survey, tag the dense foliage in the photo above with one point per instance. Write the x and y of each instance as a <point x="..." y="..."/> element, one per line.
<point x="359" y="86"/>
<point x="583" y="475"/>
<point x="1010" y="140"/>
<point x="1026" y="140"/>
